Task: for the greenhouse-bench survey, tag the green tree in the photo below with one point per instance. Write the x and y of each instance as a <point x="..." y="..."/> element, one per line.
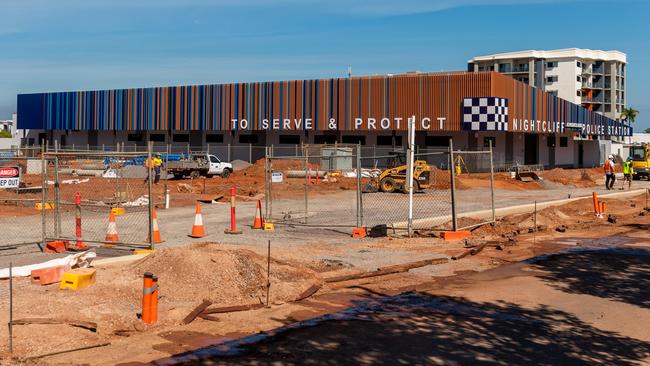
<point x="629" y="114"/>
<point x="5" y="134"/>
<point x="647" y="130"/>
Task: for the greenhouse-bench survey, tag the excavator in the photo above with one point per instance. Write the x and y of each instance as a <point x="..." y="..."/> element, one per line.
<point x="640" y="155"/>
<point x="393" y="178"/>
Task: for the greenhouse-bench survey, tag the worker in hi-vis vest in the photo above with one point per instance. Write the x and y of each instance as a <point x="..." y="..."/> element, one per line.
<point x="156" y="164"/>
<point x="610" y="170"/>
<point x="628" y="172"/>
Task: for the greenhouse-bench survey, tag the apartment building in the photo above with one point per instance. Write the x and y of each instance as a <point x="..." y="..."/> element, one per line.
<point x="594" y="79"/>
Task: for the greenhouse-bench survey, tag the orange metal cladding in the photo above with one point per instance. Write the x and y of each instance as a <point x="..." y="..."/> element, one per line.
<point x="392" y="97"/>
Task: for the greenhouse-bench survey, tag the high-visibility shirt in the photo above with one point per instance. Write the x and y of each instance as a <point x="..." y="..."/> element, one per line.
<point x="609" y="166"/>
<point x="157" y="162"/>
<point x="628" y="168"/>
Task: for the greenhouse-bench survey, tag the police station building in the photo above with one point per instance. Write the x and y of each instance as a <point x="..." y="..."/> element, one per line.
<point x="525" y="125"/>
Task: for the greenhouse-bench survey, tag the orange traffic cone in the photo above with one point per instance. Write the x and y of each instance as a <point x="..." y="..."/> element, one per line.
<point x="156" y="230"/>
<point x="111" y="232"/>
<point x="259" y="222"/>
<point x="198" y="231"/>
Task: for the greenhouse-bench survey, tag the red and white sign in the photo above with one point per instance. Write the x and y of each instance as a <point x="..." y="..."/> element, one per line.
<point x="9" y="177"/>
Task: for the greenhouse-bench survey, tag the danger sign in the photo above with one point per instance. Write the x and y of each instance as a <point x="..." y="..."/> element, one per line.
<point x="9" y="177"/>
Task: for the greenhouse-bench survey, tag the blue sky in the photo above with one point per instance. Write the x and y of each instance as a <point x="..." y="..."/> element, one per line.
<point x="104" y="44"/>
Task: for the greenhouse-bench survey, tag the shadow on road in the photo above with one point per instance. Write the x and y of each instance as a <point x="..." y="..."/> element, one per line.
<point x="620" y="274"/>
<point x="418" y="329"/>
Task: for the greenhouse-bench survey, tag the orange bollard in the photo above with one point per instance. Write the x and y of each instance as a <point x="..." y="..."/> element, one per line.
<point x="596" y="206"/>
<point x="154" y="300"/>
<point x="233" y="214"/>
<point x="147" y="291"/>
<point x="603" y="207"/>
<point x="79" y="245"/>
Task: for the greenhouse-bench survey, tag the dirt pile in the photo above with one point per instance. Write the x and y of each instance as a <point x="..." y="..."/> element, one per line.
<point x="224" y="276"/>
<point x="573" y="177"/>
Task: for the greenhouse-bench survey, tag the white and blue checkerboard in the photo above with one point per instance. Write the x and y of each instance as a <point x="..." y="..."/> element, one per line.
<point x="485" y="114"/>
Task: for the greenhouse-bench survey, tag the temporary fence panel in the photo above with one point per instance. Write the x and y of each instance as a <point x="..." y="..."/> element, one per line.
<point x="306" y="190"/>
<point x="21" y="197"/>
<point x="84" y="188"/>
<point x="385" y="191"/>
<point x="474" y="188"/>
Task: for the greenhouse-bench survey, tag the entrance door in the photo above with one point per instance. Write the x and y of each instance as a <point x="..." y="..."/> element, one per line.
<point x="530" y="149"/>
<point x="581" y="155"/>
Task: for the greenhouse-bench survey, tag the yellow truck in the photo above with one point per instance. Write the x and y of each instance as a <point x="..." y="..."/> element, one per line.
<point x="640" y="155"/>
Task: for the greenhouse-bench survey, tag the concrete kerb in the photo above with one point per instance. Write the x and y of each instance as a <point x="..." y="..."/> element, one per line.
<point x="511" y="210"/>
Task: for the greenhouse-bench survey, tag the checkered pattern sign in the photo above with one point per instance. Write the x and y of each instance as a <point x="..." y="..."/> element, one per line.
<point x="485" y="114"/>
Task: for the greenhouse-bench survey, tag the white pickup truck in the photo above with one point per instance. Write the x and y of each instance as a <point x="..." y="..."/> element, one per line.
<point x="199" y="164"/>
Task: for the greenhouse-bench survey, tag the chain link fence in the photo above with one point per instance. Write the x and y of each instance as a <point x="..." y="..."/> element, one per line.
<point x="368" y="191"/>
<point x="322" y="178"/>
<point x="72" y="195"/>
<point x="89" y="186"/>
<point x="21" y="197"/>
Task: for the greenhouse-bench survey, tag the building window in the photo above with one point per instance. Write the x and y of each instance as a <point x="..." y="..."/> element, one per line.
<point x="553" y="92"/>
<point x="248" y="139"/>
<point x="578" y="63"/>
<point x="437" y="141"/>
<point x="550" y="141"/>
<point x="551" y="79"/>
<point x="181" y="138"/>
<point x="578" y="93"/>
<point x="564" y="141"/>
<point x="487" y="140"/>
<point x="290" y="139"/>
<point x="157" y="137"/>
<point x="214" y="138"/>
<point x="325" y="139"/>
<point x="352" y="139"/>
<point x="578" y="79"/>
<point x="135" y="137"/>
<point x="388" y="140"/>
<point x="551" y="64"/>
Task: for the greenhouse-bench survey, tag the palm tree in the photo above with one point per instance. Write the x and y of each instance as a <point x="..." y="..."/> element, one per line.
<point x="629" y="114"/>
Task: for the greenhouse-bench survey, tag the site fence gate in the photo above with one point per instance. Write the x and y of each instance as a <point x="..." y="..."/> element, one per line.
<point x="318" y="187"/>
<point x="101" y="198"/>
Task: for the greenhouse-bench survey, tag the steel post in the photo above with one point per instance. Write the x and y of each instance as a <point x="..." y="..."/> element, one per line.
<point x="359" y="193"/>
<point x="43" y="196"/>
<point x="452" y="184"/>
<point x="409" y="171"/>
<point x="307" y="172"/>
<point x="150" y="191"/>
<point x="494" y="216"/>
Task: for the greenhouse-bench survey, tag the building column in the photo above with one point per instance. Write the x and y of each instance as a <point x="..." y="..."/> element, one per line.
<point x="531" y="72"/>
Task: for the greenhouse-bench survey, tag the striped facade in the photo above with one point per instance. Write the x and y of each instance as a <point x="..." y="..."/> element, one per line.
<point x="342" y="100"/>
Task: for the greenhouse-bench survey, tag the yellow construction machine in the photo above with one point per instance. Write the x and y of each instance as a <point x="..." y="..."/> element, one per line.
<point x="393" y="178"/>
<point x="640" y="155"/>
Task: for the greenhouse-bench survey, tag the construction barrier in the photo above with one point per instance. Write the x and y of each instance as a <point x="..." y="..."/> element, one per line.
<point x="198" y="230"/>
<point x="233" y="214"/>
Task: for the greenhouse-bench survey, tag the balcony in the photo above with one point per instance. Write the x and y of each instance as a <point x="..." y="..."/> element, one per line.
<point x="587" y="100"/>
<point x="515" y="70"/>
<point x="590" y="85"/>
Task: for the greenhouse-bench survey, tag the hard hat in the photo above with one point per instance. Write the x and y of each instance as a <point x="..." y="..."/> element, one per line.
<point x="611" y="156"/>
